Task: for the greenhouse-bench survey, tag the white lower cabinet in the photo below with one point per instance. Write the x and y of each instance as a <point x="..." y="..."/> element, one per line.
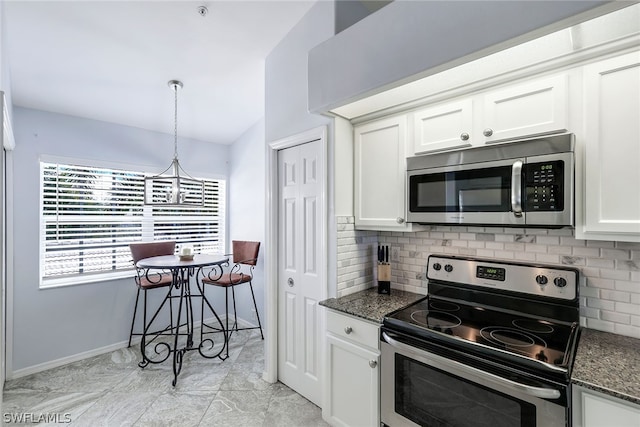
<point x="594" y="409"/>
<point x="351" y="396"/>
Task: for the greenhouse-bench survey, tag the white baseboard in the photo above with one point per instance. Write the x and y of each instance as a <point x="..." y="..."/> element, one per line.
<point x="102" y="350"/>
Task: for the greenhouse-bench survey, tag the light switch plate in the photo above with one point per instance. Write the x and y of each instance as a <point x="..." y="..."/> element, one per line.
<point x="395" y="254"/>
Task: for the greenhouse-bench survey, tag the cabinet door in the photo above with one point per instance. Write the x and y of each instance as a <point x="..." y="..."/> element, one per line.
<point x="379" y="179"/>
<point x="593" y="409"/>
<point x="443" y="127"/>
<point x="352" y="393"/>
<point x="612" y="147"/>
<point x="532" y="108"/>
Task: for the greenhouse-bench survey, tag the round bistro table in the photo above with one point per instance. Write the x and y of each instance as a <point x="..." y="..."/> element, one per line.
<point x="182" y="271"/>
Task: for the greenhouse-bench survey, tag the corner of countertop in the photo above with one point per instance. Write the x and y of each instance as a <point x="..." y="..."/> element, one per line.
<point x="608" y="363"/>
<point x="370" y="305"/>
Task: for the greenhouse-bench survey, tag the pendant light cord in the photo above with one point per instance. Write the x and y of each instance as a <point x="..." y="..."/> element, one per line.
<point x="175" y="122"/>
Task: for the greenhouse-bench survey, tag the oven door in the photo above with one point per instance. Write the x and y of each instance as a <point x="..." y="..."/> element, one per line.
<point x="482" y="193"/>
<point x="420" y="388"/>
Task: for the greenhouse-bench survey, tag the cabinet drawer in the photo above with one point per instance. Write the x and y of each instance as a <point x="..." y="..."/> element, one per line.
<point x="351" y="328"/>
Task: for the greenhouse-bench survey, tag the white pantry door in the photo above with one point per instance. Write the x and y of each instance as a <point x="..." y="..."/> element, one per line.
<point x="300" y="175"/>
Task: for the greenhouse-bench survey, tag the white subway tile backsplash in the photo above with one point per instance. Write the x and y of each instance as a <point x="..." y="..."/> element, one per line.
<point x="614" y="274"/>
<point x="548" y="258"/>
<point x="601" y="325"/>
<point x="628" y="330"/>
<point x="601" y="304"/>
<point x="616" y="254"/>
<point x="623" y="307"/>
<point x="627" y="286"/>
<point x="589" y="312"/>
<point x="623" y="319"/>
<point x="548" y="240"/>
<point x="589" y="292"/>
<point x="610" y="271"/>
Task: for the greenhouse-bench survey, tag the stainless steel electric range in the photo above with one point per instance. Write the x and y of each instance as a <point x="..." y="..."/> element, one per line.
<point x="492" y="344"/>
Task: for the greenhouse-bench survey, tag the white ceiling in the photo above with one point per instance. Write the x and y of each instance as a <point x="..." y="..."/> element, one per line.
<point x="111" y="60"/>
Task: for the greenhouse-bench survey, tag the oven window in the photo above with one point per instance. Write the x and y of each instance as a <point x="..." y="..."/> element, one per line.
<point x="476" y="190"/>
<point x="434" y="398"/>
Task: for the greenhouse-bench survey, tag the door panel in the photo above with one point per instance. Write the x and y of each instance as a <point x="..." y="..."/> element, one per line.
<point x="299" y="280"/>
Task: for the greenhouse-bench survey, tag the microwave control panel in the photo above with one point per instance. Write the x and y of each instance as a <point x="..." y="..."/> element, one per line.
<point x="543" y="183"/>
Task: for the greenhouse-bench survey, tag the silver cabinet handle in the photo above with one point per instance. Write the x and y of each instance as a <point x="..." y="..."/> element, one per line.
<point x="430" y="358"/>
<point x="516" y="188"/>
<point x="373" y="363"/>
<point x="290" y="282"/>
<point x="487" y="132"/>
<point x="464" y="136"/>
<point x="348" y="330"/>
<point x="400" y="220"/>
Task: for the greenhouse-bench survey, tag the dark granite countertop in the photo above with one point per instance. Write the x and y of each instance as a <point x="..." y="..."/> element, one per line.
<point x="371" y="305"/>
<point x="608" y="363"/>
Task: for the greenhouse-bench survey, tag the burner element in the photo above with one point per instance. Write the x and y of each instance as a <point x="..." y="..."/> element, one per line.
<point x="443" y="306"/>
<point x="513" y="339"/>
<point x="436" y="320"/>
<point x="531" y="325"/>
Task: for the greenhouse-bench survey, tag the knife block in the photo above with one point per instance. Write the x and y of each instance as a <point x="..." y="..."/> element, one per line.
<point x="384" y="279"/>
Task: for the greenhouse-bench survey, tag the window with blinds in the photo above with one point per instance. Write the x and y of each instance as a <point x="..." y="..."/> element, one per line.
<point x="91" y="214"/>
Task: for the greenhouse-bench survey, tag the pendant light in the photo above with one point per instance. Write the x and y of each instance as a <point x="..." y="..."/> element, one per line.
<point x="177" y="188"/>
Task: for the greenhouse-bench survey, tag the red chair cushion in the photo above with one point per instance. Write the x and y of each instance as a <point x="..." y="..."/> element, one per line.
<point x="228" y="280"/>
<point x="156" y="280"/>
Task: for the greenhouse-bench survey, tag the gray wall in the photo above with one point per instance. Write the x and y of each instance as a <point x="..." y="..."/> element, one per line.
<point x="286" y="96"/>
<point x="406" y="40"/>
<point x="50" y="324"/>
<point x="286" y="84"/>
<point x="246" y="212"/>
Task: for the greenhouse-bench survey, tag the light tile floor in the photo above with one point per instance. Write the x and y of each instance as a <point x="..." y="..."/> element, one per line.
<point x="111" y="390"/>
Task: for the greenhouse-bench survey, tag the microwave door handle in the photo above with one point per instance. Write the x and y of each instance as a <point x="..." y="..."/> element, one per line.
<point x="516" y="188"/>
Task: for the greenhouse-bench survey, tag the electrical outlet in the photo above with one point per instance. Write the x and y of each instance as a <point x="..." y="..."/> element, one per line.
<point x="395" y="254"/>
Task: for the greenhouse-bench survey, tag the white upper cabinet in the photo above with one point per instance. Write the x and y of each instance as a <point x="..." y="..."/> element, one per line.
<point x="443" y="127"/>
<point x="379" y="179"/>
<point x="533" y="107"/>
<point x="611" y="145"/>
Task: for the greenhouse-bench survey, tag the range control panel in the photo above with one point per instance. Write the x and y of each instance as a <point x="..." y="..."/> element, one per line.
<point x="544" y="186"/>
<point x="530" y="279"/>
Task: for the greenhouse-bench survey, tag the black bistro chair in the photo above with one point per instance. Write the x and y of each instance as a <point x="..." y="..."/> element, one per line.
<point x="245" y="257"/>
<point x="146" y="281"/>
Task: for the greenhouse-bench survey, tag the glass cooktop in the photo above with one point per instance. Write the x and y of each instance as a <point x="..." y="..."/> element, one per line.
<point x="487" y="330"/>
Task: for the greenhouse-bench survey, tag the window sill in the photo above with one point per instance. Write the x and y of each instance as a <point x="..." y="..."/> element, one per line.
<point x="85" y="279"/>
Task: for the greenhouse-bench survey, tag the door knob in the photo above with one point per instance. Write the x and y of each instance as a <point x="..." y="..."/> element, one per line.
<point x="290" y="282"/>
<point x="348" y="330"/>
<point x="464" y="136"/>
<point x="487" y="132"/>
<point x="373" y="363"/>
<point x="400" y="220"/>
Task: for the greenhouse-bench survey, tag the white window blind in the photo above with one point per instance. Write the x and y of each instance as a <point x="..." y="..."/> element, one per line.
<point x="91" y="214"/>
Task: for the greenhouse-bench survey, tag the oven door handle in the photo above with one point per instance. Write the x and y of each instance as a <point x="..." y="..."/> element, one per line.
<point x="541" y="392"/>
<point x="516" y="188"/>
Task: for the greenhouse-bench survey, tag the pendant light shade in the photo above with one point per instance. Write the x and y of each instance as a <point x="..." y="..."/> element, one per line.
<point x="176" y="188"/>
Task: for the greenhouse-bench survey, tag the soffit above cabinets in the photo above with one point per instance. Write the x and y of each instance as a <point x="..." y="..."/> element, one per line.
<point x="493" y="68"/>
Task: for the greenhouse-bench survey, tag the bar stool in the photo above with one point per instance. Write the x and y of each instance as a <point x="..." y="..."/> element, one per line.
<point x="146" y="281"/>
<point x="245" y="257"/>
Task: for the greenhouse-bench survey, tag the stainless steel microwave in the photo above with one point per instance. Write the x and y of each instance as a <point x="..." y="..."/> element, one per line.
<point x="522" y="183"/>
